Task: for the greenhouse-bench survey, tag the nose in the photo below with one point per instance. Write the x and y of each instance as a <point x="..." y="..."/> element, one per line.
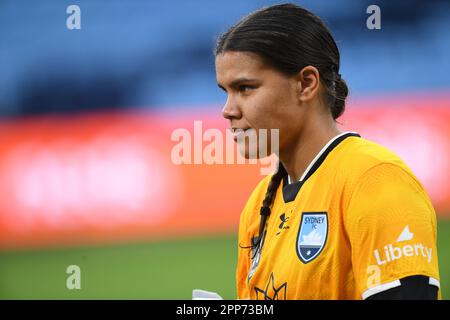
<point x="231" y="109"/>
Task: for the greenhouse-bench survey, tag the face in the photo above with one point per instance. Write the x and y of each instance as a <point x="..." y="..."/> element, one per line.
<point x="258" y="97"/>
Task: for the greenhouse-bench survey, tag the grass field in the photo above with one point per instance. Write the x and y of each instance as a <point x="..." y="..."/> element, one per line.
<point x="162" y="270"/>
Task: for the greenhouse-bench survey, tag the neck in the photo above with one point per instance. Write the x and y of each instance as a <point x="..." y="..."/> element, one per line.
<point x="314" y="136"/>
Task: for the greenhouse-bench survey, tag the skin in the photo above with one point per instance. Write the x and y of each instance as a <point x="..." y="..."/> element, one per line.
<point x="260" y="97"/>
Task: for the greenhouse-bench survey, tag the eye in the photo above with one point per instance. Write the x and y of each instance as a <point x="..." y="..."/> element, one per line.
<point x="245" y="88"/>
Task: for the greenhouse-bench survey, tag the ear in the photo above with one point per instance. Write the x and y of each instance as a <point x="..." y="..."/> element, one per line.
<point x="308" y="82"/>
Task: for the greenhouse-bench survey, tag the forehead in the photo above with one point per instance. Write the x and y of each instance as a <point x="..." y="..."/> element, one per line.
<point x="231" y="65"/>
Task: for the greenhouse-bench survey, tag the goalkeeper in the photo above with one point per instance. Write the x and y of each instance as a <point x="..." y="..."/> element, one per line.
<point x="343" y="217"/>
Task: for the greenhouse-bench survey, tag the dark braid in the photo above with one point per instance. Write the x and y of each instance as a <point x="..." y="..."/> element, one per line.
<point x="267" y="203"/>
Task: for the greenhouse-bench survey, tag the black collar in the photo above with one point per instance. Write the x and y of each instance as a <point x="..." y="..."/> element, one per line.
<point x="290" y="191"/>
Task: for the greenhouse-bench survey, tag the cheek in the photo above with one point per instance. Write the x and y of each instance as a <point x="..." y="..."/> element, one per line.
<point x="270" y="111"/>
<point x="256" y="111"/>
<point x="285" y="116"/>
<point x="277" y="106"/>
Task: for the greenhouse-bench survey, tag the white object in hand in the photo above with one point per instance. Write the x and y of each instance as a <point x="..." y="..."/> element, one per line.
<point x="198" y="294"/>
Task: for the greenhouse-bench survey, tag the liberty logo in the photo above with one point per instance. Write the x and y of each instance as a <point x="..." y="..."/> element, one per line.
<point x="312" y="235"/>
<point x="283" y="219"/>
<point x="406" y="235"/>
<point x="392" y="252"/>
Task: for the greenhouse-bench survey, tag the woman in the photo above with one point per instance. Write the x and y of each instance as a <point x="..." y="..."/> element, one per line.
<point x="343" y="217"/>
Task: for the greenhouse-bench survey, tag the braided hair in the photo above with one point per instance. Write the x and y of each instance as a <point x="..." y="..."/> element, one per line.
<point x="265" y="209"/>
<point x="268" y="201"/>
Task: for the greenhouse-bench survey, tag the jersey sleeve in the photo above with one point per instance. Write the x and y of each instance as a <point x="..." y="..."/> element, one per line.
<point x="249" y="222"/>
<point x="243" y="262"/>
<point x="391" y="226"/>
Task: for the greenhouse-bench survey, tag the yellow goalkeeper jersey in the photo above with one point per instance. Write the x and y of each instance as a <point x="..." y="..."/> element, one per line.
<point x="355" y="224"/>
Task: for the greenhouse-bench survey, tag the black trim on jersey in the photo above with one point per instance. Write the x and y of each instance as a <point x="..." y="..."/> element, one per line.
<point x="411" y="288"/>
<point x="290" y="191"/>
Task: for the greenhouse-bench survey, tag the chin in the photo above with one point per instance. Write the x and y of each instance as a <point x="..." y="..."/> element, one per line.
<point x="249" y="152"/>
<point x="253" y="148"/>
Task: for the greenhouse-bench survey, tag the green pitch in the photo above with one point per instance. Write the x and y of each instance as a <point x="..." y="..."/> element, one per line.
<point x="158" y="270"/>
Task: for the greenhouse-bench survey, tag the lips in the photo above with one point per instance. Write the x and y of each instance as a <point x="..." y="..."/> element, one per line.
<point x="238" y="132"/>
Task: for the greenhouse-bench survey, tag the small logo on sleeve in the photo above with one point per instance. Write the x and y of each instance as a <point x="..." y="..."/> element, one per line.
<point x="406" y="235"/>
<point x="392" y="252"/>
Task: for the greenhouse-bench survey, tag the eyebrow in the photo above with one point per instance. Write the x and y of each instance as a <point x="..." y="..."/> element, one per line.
<point x="237" y="82"/>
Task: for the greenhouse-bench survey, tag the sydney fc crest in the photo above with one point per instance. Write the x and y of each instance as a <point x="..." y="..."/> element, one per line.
<point x="312" y="235"/>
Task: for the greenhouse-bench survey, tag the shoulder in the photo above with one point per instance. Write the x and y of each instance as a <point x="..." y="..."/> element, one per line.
<point x="361" y="155"/>
<point x="371" y="171"/>
<point x="360" y="159"/>
<point x="255" y="200"/>
<point x="381" y="186"/>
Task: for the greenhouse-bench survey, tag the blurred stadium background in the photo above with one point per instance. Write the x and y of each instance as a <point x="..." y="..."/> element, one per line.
<point x="85" y="137"/>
